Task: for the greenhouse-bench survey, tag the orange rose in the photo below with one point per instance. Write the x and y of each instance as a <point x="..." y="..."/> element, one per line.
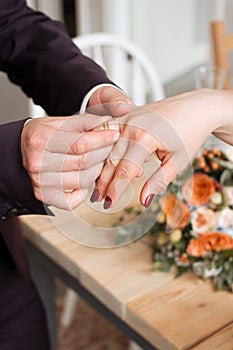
<point x="196" y="248"/>
<point x="184" y="260"/>
<point x="208" y="242"/>
<point x="177" y="213"/>
<point x="198" y="189"/>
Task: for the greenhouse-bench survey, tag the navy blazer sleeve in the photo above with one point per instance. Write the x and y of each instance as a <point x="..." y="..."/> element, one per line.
<point x="16" y="194"/>
<point x="38" y="55"/>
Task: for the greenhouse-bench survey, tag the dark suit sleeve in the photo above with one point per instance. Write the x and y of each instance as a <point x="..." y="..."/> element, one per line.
<point x="16" y="195"/>
<point x="37" y="54"/>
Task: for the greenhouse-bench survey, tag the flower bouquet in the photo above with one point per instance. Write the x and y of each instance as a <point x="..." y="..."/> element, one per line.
<point x="193" y="221"/>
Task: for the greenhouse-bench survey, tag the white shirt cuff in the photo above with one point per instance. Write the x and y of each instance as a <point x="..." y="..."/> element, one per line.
<point x="88" y="95"/>
<point x="27" y="121"/>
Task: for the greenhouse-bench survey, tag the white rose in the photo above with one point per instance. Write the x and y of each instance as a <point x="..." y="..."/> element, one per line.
<point x="225" y="219"/>
<point x="216" y="198"/>
<point x="228" y="194"/>
<point x="229" y="153"/>
<point x="203" y="220"/>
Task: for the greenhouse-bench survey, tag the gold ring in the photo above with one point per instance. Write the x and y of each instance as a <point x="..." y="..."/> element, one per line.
<point x="106" y="126"/>
<point x="112" y="161"/>
<point x="113" y="125"/>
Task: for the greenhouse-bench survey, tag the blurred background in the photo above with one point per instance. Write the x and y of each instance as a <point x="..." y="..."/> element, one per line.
<point x="174" y="35"/>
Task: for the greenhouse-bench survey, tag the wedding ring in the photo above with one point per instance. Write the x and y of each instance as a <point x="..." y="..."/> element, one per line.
<point x="112" y="161"/>
<point x="106" y="126"/>
<point x="113" y="125"/>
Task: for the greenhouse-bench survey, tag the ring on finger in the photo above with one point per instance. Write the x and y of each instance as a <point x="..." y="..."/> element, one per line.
<point x="113" y="125"/>
<point x="113" y="161"/>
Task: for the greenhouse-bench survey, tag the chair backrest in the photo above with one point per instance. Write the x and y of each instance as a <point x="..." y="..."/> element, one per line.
<point x="222" y="45"/>
<point x="125" y="63"/>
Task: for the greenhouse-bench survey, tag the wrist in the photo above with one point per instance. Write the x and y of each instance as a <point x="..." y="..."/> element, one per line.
<point x="216" y="107"/>
<point x="224" y="116"/>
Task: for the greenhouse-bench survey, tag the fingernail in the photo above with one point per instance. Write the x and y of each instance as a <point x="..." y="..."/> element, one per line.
<point x="107" y="202"/>
<point x="149" y="200"/>
<point x="95" y="196"/>
<point x="116" y="137"/>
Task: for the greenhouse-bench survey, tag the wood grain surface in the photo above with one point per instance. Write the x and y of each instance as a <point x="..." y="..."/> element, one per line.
<point x="171" y="313"/>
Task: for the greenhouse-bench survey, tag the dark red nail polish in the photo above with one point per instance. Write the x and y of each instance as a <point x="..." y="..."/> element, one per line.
<point x="107" y="202"/>
<point x="95" y="196"/>
<point x="149" y="200"/>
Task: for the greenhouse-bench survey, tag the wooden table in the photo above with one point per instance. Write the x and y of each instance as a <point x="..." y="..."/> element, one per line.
<point x="154" y="309"/>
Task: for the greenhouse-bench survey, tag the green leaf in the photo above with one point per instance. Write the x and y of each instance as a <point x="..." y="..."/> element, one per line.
<point x="182" y="270"/>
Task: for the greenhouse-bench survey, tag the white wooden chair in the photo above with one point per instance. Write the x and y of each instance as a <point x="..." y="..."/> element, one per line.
<point x="126" y="64"/>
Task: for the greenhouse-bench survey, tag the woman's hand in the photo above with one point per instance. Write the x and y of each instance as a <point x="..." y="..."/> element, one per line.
<point x="173" y="129"/>
<point x="64" y="155"/>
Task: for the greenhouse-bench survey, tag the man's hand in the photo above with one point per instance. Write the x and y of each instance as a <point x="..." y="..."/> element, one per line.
<point x="64" y="155"/>
<point x="109" y="100"/>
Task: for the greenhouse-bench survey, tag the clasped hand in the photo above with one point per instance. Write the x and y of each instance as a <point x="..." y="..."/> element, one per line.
<point x="173" y="129"/>
<point x="64" y="156"/>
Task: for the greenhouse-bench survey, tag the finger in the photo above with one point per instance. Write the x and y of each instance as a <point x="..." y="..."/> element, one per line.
<point x="148" y="158"/>
<point x="108" y="171"/>
<point x="55" y="162"/>
<point x="62" y="200"/>
<point x="110" y="100"/>
<point x="140" y="172"/>
<point x="83" y="178"/>
<point x="158" y="182"/>
<point x="75" y="198"/>
<point x="68" y="180"/>
<point x="84" y="122"/>
<point x="71" y="143"/>
<point x="115" y="109"/>
<point x="112" y="125"/>
<point x="120" y="107"/>
<point x="126" y="171"/>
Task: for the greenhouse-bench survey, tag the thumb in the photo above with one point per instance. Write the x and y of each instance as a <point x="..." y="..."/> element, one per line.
<point x="120" y="104"/>
<point x="110" y="100"/>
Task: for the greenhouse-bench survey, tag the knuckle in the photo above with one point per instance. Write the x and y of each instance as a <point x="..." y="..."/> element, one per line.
<point x="140" y="136"/>
<point x="122" y="173"/>
<point x="32" y="165"/>
<point x="80" y="146"/>
<point x="82" y="162"/>
<point x="37" y="194"/>
<point x="35" y="179"/>
<point x="34" y="139"/>
<point x="69" y="206"/>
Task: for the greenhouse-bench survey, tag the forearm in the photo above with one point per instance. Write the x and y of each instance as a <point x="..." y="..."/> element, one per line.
<point x="201" y="112"/>
<point x="224" y="116"/>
